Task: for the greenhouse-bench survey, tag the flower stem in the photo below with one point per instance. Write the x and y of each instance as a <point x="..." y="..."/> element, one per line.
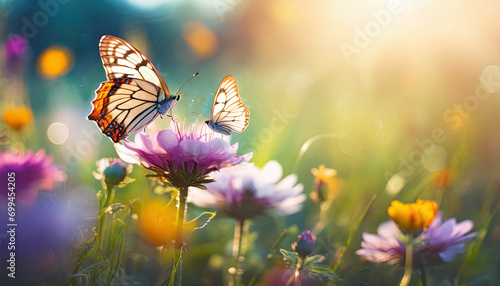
<point x="109" y="194"/>
<point x="181" y="213"/>
<point x="408" y="264"/>
<point x="298" y="273"/>
<point x="235" y="277"/>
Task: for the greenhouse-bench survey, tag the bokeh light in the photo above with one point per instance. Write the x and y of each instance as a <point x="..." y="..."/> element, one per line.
<point x="201" y="40"/>
<point x="57" y="133"/>
<point x="54" y="62"/>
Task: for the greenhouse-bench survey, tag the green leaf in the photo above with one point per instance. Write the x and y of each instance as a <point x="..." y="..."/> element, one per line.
<point x="318" y="258"/>
<point x="125" y="182"/>
<point x="201" y="221"/>
<point x="323" y="273"/>
<point x="116" y="207"/>
<point x="290" y="257"/>
<point x="97" y="266"/>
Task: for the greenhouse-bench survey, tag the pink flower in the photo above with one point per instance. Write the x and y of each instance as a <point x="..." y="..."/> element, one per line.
<point x="183" y="158"/>
<point x="246" y="191"/>
<point x="32" y="173"/>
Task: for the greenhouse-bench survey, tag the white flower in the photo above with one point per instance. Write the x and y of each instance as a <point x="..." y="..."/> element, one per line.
<point x="245" y="191"/>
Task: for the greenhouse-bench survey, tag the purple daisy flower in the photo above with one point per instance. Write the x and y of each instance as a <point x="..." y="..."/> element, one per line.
<point x="445" y="240"/>
<point x="183" y="158"/>
<point x="384" y="247"/>
<point x="246" y="191"/>
<point x="32" y="172"/>
<point x="440" y="243"/>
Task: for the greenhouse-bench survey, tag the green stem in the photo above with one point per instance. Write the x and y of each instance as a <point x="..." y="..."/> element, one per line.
<point x="352" y="233"/>
<point x="114" y="231"/>
<point x="235" y="277"/>
<point x="423" y="274"/>
<point x="408" y="264"/>
<point x="109" y="195"/>
<point x="181" y="213"/>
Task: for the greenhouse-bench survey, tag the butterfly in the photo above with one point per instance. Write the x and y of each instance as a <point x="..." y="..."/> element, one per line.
<point x="228" y="114"/>
<point x="135" y="93"/>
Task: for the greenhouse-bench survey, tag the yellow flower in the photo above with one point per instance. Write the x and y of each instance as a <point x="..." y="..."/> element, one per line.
<point x="322" y="174"/>
<point x="18" y="117"/>
<point x="158" y="222"/>
<point x="324" y="177"/>
<point x="413" y="216"/>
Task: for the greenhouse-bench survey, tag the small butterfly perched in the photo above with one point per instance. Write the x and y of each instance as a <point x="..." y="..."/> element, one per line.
<point x="228" y="114"/>
<point x="135" y="93"/>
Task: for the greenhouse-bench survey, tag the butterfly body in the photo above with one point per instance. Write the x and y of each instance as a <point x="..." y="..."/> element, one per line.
<point x="166" y="104"/>
<point x="218" y="128"/>
<point x="134" y="95"/>
<point x="229" y="113"/>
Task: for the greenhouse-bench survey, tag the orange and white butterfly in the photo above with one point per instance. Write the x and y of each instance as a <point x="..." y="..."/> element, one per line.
<point x="135" y="93"/>
<point x="228" y="114"/>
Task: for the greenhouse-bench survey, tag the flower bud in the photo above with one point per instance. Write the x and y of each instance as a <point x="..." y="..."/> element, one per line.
<point x="326" y="184"/>
<point x="304" y="244"/>
<point x="112" y="171"/>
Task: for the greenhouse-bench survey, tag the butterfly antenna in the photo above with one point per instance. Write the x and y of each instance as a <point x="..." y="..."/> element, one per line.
<point x="199" y="114"/>
<point x="186" y="82"/>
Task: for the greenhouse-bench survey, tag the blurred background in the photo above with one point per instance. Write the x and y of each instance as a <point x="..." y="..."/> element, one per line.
<point x="403" y="95"/>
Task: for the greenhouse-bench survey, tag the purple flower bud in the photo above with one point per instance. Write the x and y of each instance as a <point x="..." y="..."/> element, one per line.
<point x="304" y="244"/>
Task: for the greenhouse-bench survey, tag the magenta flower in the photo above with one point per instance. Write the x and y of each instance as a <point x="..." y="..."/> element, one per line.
<point x="15" y="49"/>
<point x="32" y="173"/>
<point x="183" y="158"/>
<point x="246" y="191"/>
<point x="440" y="243"/>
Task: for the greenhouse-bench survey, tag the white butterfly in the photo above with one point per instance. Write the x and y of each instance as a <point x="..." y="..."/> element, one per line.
<point x="228" y="114"/>
<point x="135" y="93"/>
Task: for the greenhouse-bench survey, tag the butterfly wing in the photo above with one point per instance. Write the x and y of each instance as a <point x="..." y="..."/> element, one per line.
<point x="125" y="105"/>
<point x="228" y="114"/>
<point x="121" y="59"/>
